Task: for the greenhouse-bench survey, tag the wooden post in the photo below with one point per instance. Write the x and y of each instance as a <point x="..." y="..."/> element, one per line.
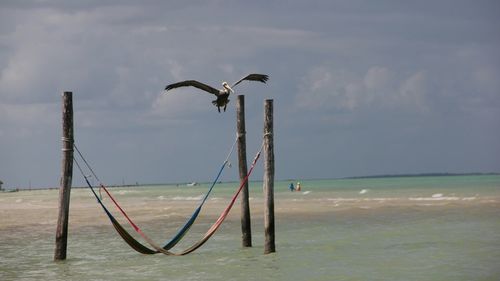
<point x="268" y="185"/>
<point x="66" y="177"/>
<point x="246" y="228"/>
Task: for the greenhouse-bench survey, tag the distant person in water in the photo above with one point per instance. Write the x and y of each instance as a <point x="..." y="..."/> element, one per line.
<point x="291" y="187"/>
<point x="298" y="186"/>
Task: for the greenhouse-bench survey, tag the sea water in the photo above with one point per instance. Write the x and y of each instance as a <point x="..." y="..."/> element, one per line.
<point x="412" y="228"/>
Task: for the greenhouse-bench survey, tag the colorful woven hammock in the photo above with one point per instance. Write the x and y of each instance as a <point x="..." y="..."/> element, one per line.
<point x="136" y="245"/>
<point x="185" y="228"/>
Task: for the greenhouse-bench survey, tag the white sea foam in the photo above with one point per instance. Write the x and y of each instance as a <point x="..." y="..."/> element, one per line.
<point x="187" y="198"/>
<point x="122" y="192"/>
<point x="306" y="192"/>
<point x="340" y="199"/>
<point x="363" y="191"/>
<point x="441" y="198"/>
<point x="380" y="199"/>
<point x="376" y="199"/>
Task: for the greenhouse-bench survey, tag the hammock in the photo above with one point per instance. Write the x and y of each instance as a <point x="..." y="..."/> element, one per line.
<point x="184" y="229"/>
<point x="145" y="250"/>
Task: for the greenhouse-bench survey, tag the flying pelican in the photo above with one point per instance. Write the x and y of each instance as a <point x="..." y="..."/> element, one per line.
<point x="222" y="94"/>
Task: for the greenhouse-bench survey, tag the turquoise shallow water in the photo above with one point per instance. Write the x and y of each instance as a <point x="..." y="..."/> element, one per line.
<point x="446" y="228"/>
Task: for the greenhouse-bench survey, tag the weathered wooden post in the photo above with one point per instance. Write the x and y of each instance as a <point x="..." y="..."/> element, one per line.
<point x="66" y="177"/>
<point x="246" y="226"/>
<point x="268" y="185"/>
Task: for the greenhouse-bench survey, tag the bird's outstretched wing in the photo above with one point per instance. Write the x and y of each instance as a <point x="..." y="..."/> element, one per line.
<point x="193" y="83"/>
<point x="253" y="77"/>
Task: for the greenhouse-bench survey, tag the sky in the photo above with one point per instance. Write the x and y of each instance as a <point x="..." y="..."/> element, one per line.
<point x="359" y="87"/>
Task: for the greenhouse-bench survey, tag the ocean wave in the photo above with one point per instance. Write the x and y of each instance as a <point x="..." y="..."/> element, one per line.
<point x="187" y="198"/>
<point x="122" y="192"/>
<point x="341" y="199"/>
<point x="440" y="198"/>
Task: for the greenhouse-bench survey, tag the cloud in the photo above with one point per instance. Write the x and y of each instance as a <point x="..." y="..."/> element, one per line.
<point x="413" y="91"/>
<point x="377" y="78"/>
<point x="181" y="103"/>
<point x="327" y="88"/>
<point x="337" y="70"/>
<point x="21" y="121"/>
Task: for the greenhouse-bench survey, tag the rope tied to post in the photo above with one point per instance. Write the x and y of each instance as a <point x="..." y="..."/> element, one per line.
<point x="69" y="145"/>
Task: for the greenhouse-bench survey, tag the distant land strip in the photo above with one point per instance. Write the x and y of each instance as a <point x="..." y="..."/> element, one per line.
<point x="422" y="175"/>
<point x="256" y="181"/>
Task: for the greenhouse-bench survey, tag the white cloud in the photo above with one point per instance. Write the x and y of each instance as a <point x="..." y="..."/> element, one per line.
<point x="180" y="103"/>
<point x="324" y="88"/>
<point x="28" y="120"/>
<point x="377" y="78"/>
<point x="413" y="92"/>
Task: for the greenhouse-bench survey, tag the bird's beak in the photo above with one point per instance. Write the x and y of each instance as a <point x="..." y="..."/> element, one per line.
<point x="231" y="90"/>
